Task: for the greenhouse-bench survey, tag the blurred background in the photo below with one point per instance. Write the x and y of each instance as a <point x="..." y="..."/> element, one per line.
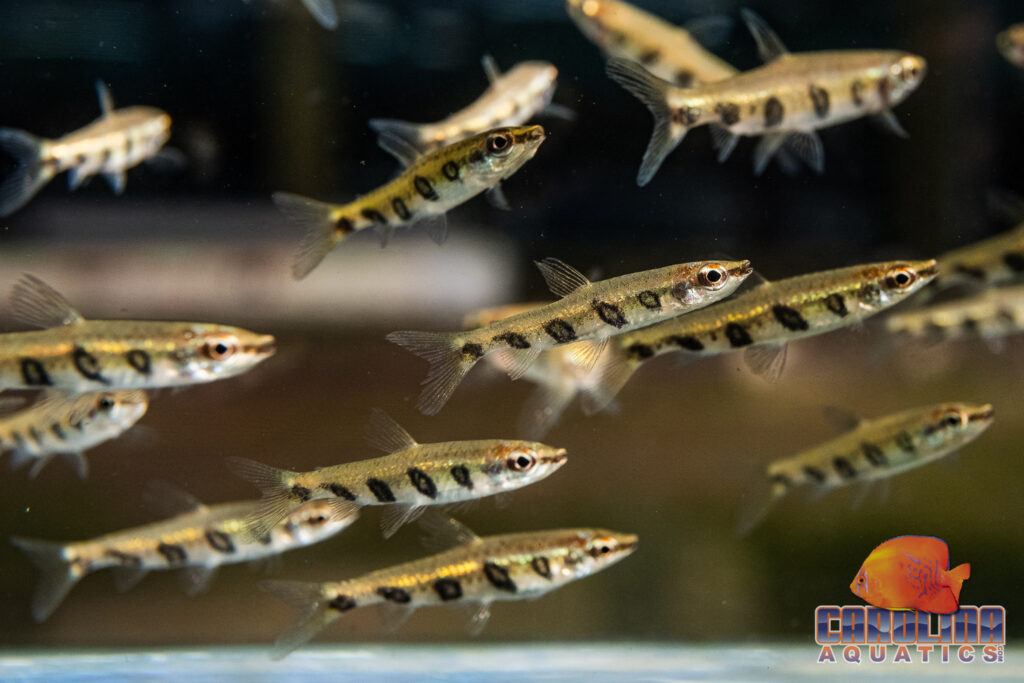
<point x="264" y="99"/>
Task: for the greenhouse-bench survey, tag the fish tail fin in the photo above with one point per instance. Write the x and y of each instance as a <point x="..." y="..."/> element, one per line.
<point x="58" y="576"/>
<point x="957" y="576"/>
<point x="29" y="176"/>
<point x="321" y="234"/>
<point x="652" y="91"/>
<point x="410" y="133"/>
<point x="274" y="489"/>
<point x="314" y="613"/>
<point x="448" y="365"/>
<point x="614" y="369"/>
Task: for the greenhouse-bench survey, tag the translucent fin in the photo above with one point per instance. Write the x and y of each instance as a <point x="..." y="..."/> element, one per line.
<point x="20" y="458"/>
<point x="766" y="148"/>
<point x="167" y="500"/>
<point x="756" y="506"/>
<point x="320" y="235"/>
<point x="808" y="147"/>
<point x="787" y="161"/>
<point x="441" y="532"/>
<point x="558" y="111"/>
<point x="652" y="91"/>
<point x="767" y="360"/>
<point x="490" y="68"/>
<point x="398" y="147"/>
<point x="314" y="616"/>
<point x="57" y="575"/>
<point x="116" y="182"/>
<point x="168" y="159"/>
<point x="561" y="278"/>
<point x="386" y="435"/>
<point x="723" y="140"/>
<point x="324" y="13"/>
<point x="544" y="407"/>
<point x="769" y="47"/>
<point x="614" y="372"/>
<point x="479" y="618"/>
<point x="517" y="362"/>
<point x="956" y="577"/>
<point x="34" y="302"/>
<point x="29" y="175"/>
<point x="435" y="226"/>
<point x="127" y="577"/>
<point x="196" y="580"/>
<point x="394" y="615"/>
<point x="842" y="420"/>
<point x="106" y="99"/>
<point x="384" y="232"/>
<point x="411" y="133"/>
<point x="276" y="495"/>
<point x="448" y="365"/>
<point x="77" y="459"/>
<point x="586" y="353"/>
<point x="1005" y="206"/>
<point x="710" y="30"/>
<point x="888" y="122"/>
<point x="496" y="198"/>
<point x="398" y="515"/>
<point x="76" y="176"/>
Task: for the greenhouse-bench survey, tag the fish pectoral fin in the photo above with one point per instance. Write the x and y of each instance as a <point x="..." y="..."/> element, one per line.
<point x="490" y="68"/>
<point x="398" y="147"/>
<point x="127" y="577"/>
<point x="558" y="111"/>
<point x="807" y="146"/>
<point x="517" y="361"/>
<point x="116" y="181"/>
<point x="196" y="580"/>
<point x="384" y="434"/>
<point x="766" y="148"/>
<point x="106" y="99"/>
<point x="612" y="374"/>
<point x="34" y="302"/>
<point x="394" y="615"/>
<point x="561" y="278"/>
<point x="436" y="227"/>
<point x="769" y="46"/>
<point x="723" y="141"/>
<point x="441" y="531"/>
<point x="767" y="360"/>
<point x="398" y="515"/>
<point x="496" y="198"/>
<point x="888" y="122"/>
<point x="479" y="616"/>
<point x="842" y="419"/>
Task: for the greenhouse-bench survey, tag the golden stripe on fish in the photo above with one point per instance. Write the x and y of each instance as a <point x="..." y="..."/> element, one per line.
<point x="512" y="99"/>
<point x="68" y="424"/>
<point x="996" y="260"/>
<point x="430" y="185"/>
<point x="199" y="539"/>
<point x="588" y="311"/>
<point x="990" y="314"/>
<point x="409" y="478"/>
<point x="764" y="319"/>
<point x="871" y="450"/>
<point x="78" y="355"/>
<point x="787" y="99"/>
<point x="117" y="141"/>
<point x="478" y="571"/>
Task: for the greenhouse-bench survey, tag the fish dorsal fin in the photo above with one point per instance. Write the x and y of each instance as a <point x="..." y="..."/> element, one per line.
<point x="561" y="278"/>
<point x="491" y="68"/>
<point x="441" y="532"/>
<point x="34" y="302"/>
<point x="841" y="419"/>
<point x="769" y="47"/>
<point x="167" y="500"/>
<point x="106" y="99"/>
<point x="384" y="434"/>
<point x="398" y="147"/>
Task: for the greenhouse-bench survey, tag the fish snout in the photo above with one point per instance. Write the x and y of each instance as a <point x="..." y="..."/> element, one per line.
<point x="982" y="414"/>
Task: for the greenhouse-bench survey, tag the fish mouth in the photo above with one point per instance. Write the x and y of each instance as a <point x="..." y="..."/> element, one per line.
<point x="629" y="545"/>
<point x="983" y="414"/>
<point x="929" y="270"/>
<point x="745" y="268"/>
<point x="559" y="456"/>
<point x="265" y="347"/>
<point x="532" y="135"/>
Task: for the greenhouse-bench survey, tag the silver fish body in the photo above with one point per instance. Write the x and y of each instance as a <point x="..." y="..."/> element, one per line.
<point x="996" y="260"/>
<point x="991" y="314"/>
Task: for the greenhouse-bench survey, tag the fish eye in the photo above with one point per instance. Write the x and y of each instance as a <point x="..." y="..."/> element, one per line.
<point x="105" y="403"/>
<point x="860" y="579"/>
<point x="900" y="278"/>
<point x="712" y="276"/>
<point x="602" y="547"/>
<point x="521" y="462"/>
<point x="952" y="419"/>
<point x="220" y="347"/>
<point x="499" y="144"/>
<point x="318" y="520"/>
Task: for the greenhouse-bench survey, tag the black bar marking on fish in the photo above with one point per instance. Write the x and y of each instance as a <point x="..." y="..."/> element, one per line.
<point x="728" y="112"/>
<point x="34" y="374"/>
<point x="107" y="153"/>
<point x="883" y="91"/>
<point x="19" y="440"/>
<point x="424" y="187"/>
<point x="610" y="313"/>
<point x="342" y="603"/>
<point x="380" y="490"/>
<point x="87" y="365"/>
<point x="815" y="474"/>
<point x="1014" y="261"/>
<point x="499" y="578"/>
<point x="684" y="78"/>
<point x="686" y="342"/>
<point x="737" y="335"/>
<point x="400" y="209"/>
<point x="782" y="480"/>
<point x="34" y="434"/>
<point x="1006" y="316"/>
<point x="513" y="339"/>
<point x="339" y="491"/>
<point x="140" y="361"/>
<point x="448" y="589"/>
<point x="649" y="299"/>
<point x="396" y="595"/>
<point x="857" y="93"/>
<point x="174" y="554"/>
<point x="58" y="431"/>
<point x="905" y="442"/>
<point x="789" y="318"/>
<point x="639" y="351"/>
<point x="220" y="541"/>
<point x="301" y="492"/>
<point x="686" y="116"/>
<point x="125" y="559"/>
<point x="344" y="226"/>
<point x="541" y="565"/>
<point x="774" y="112"/>
<point x="970" y="324"/>
<point x="129" y="144"/>
<point x="422" y="481"/>
<point x="78" y="425"/>
<point x="820" y="100"/>
<point x="970" y="271"/>
<point x="649" y="57"/>
<point x="844" y="468"/>
<point x="375" y="216"/>
<point x="471" y="351"/>
<point x="450" y="170"/>
<point x="460" y="473"/>
<point x="874" y="454"/>
<point x="561" y="331"/>
<point x="837" y="304"/>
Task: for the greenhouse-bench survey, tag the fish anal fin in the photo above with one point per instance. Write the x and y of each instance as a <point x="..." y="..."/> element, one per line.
<point x="441" y="532"/>
<point x="561" y="278"/>
<point x="397" y="515"/>
<point x="496" y="198"/>
<point x="127" y="577"/>
<point x="76" y="176"/>
<point x="516" y="362"/>
<point x="887" y="121"/>
<point x="807" y="146"/>
<point x="769" y="46"/>
<point x="480" y="614"/>
<point x="105" y="98"/>
<point x="435" y="226"/>
<point x="765" y="149"/>
<point x="767" y="360"/>
<point x="196" y="579"/>
<point x="384" y="434"/>
<point x="613" y="372"/>
<point x="585" y="354"/>
<point x="34" y="302"/>
<point x="116" y="181"/>
<point x="723" y="140"/>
